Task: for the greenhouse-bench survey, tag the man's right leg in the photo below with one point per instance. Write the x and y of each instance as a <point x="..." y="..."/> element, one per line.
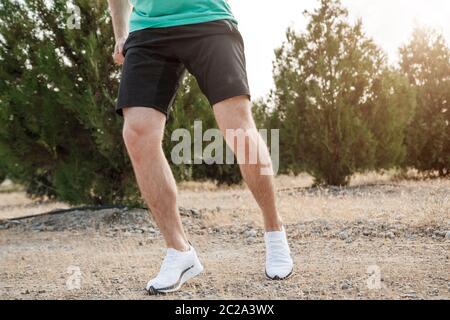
<point x="143" y="133"/>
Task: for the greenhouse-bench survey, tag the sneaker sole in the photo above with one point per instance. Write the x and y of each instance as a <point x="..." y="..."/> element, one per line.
<point x="277" y="278"/>
<point x="186" y="275"/>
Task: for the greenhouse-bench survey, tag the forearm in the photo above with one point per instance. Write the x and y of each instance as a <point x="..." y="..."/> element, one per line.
<point x="120" y="13"/>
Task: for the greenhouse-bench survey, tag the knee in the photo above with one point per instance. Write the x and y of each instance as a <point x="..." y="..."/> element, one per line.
<point x="234" y="113"/>
<point x="138" y="132"/>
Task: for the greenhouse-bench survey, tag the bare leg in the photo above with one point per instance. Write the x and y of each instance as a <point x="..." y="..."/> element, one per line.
<point x="235" y="114"/>
<point x="143" y="133"/>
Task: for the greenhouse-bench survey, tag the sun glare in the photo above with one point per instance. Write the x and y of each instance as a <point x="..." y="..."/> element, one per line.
<point x="389" y="22"/>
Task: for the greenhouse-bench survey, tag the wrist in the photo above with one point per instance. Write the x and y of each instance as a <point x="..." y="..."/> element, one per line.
<point x="121" y="37"/>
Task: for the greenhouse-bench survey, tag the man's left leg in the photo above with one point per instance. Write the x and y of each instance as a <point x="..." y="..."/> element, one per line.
<point x="235" y="114"/>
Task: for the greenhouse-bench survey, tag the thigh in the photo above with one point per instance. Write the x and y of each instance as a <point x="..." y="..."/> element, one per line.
<point x="214" y="54"/>
<point x="150" y="76"/>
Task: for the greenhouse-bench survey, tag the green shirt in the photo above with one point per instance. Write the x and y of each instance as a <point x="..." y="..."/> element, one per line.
<point x="169" y="13"/>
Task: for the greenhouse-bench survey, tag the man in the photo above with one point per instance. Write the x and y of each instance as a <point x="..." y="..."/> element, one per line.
<point x="166" y="38"/>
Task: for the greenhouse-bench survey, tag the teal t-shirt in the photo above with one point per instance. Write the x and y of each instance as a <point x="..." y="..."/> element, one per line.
<point x="169" y="13"/>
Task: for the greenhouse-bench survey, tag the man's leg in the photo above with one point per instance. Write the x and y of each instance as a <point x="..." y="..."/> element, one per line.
<point x="143" y="133"/>
<point x="235" y="114"/>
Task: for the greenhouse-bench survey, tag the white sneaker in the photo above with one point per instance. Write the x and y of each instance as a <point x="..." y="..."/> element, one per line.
<point x="279" y="264"/>
<point x="177" y="268"/>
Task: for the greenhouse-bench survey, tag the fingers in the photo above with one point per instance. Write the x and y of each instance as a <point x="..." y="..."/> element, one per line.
<point x="119" y="58"/>
<point x="118" y="54"/>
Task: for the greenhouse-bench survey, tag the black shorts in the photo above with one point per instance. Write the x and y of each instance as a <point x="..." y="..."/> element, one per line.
<point x="156" y="60"/>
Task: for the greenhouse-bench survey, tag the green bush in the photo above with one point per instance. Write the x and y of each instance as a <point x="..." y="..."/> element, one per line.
<point x="2" y="175"/>
<point x="426" y="63"/>
<point x="59" y="134"/>
<point x="339" y="107"/>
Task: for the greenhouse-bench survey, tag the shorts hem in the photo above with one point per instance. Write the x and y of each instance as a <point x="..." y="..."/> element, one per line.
<point x="119" y="110"/>
<point x="226" y="96"/>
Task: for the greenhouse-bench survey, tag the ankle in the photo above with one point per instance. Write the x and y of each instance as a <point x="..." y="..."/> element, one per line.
<point x="275" y="226"/>
<point x="181" y="246"/>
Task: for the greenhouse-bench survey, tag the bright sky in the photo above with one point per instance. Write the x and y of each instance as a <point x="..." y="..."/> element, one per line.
<point x="388" y="22"/>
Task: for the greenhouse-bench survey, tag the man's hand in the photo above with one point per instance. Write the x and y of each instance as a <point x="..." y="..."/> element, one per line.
<point x="118" y="55"/>
<point x="120" y="13"/>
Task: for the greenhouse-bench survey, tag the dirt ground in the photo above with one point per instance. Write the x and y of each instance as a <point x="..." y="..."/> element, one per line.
<point x="379" y="238"/>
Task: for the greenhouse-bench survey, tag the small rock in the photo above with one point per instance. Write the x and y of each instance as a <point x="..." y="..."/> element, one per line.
<point x="390" y="235"/>
<point x="250" y="233"/>
<point x="37" y="226"/>
<point x="343" y="235"/>
<point x="447" y="235"/>
<point x="366" y="233"/>
<point x="184" y="212"/>
<point x="349" y="240"/>
<point x="251" y="240"/>
<point x="195" y="212"/>
<point x="410" y="295"/>
<point x="4" y="226"/>
<point x="9" y="224"/>
<point x="440" y="234"/>
<point x="434" y="292"/>
<point x="346" y="284"/>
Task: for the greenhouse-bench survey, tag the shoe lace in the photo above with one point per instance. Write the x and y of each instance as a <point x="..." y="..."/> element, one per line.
<point x="168" y="262"/>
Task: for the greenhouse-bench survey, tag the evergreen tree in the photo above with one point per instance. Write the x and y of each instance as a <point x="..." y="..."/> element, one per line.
<point x="336" y="101"/>
<point x="59" y="134"/>
<point x="426" y="63"/>
<point x="2" y="175"/>
<point x="387" y="114"/>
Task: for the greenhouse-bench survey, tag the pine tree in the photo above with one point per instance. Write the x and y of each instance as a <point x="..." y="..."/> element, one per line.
<point x="336" y="100"/>
<point x="2" y="175"/>
<point x="426" y="63"/>
<point x="387" y="114"/>
<point x="59" y="135"/>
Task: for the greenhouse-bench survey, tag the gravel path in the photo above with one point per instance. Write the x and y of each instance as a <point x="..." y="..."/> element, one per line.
<point x="374" y="246"/>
